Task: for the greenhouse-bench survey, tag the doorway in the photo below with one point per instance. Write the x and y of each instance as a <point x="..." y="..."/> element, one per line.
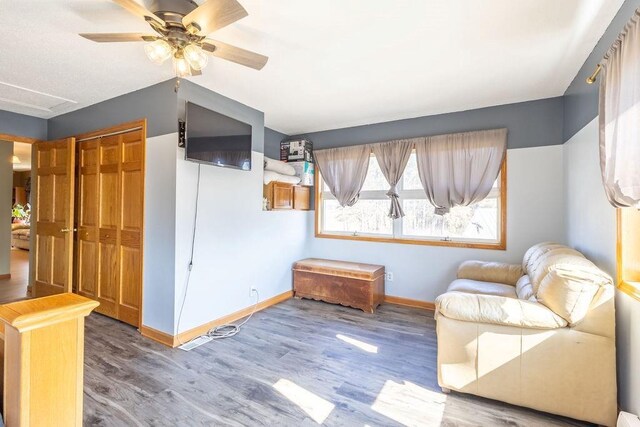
<point x="15" y="203"/>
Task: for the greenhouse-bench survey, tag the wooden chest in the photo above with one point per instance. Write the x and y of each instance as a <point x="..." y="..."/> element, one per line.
<point x="348" y="283"/>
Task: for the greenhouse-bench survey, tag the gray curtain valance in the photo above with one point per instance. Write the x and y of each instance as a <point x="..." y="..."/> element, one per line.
<point x="455" y="169"/>
<point x="392" y="157"/>
<point x="619" y="118"/>
<point x="460" y="169"/>
<point x="344" y="171"/>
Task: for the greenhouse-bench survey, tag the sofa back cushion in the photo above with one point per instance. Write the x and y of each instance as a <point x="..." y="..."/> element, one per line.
<point x="563" y="279"/>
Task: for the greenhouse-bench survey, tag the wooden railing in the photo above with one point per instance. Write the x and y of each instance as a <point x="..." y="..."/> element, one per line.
<point x="43" y="356"/>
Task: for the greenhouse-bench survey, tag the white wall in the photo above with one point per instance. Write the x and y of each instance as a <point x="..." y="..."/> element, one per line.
<point x="534" y="213"/>
<point x="6" y="184"/>
<point x="159" y="233"/>
<point x="591" y="228"/>
<point x="238" y="245"/>
<point x="590" y="219"/>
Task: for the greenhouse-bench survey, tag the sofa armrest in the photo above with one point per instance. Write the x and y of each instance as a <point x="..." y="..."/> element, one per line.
<point x="498" y="310"/>
<point x="497" y="272"/>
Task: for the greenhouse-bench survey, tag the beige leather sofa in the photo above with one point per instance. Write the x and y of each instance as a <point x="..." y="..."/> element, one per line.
<point x="540" y="335"/>
<point x="20" y="236"/>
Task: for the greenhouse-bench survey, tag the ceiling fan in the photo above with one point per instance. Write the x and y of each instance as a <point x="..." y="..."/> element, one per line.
<point x="181" y="28"/>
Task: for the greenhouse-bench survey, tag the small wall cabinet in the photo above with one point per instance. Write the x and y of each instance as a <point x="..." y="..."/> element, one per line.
<point x="283" y="196"/>
<point x="301" y="197"/>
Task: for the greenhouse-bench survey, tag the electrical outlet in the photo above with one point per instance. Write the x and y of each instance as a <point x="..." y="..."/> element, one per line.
<point x="253" y="291"/>
<point x="389" y="277"/>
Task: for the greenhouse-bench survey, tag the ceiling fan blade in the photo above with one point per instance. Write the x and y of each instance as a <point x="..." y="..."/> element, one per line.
<point x="213" y="15"/>
<point x="119" y="37"/>
<point x="235" y="54"/>
<point x="139" y="10"/>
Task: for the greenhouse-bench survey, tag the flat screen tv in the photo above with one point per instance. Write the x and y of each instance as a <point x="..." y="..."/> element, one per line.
<point x="216" y="139"/>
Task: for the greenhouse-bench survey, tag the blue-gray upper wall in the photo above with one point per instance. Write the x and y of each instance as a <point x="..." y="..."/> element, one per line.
<point x="162" y="105"/>
<point x="272" y="140"/>
<point x="21" y="125"/>
<point x="157" y="103"/>
<point x="530" y="124"/>
<point x="580" y="98"/>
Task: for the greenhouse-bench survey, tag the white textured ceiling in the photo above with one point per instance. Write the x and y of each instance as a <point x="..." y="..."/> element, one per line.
<point x="333" y="63"/>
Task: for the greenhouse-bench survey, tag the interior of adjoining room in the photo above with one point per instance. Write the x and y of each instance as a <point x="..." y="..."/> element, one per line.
<point x="16" y="245"/>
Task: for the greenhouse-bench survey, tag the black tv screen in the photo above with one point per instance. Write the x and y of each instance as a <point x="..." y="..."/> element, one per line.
<point x="216" y="139"/>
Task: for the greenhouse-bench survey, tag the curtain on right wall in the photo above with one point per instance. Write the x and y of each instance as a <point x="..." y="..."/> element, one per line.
<point x="619" y="116"/>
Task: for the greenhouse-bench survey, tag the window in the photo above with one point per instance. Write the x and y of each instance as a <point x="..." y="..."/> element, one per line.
<point x="479" y="225"/>
<point x="629" y="251"/>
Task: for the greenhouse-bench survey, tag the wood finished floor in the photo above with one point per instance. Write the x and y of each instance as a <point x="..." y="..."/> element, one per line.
<point x="15" y="288"/>
<point x="299" y="349"/>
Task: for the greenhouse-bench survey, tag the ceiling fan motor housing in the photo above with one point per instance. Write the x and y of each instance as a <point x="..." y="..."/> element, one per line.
<point x="171" y="11"/>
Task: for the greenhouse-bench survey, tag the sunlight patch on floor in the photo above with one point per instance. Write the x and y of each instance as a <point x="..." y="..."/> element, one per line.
<point x="407" y="402"/>
<point x="315" y="406"/>
<point x="369" y="348"/>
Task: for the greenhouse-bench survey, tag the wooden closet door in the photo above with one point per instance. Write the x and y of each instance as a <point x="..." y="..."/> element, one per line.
<point x="54" y="190"/>
<point x="110" y="220"/>
<point x="108" y="224"/>
<point x="87" y="218"/>
<point x="131" y="208"/>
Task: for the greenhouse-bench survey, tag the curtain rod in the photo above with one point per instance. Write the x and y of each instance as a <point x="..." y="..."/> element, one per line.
<point x="592" y="78"/>
<point x="634" y="20"/>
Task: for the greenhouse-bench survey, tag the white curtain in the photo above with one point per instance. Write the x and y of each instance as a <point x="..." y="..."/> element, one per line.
<point x="459" y="169"/>
<point x="344" y="171"/>
<point x="619" y="118"/>
<point x="392" y="157"/>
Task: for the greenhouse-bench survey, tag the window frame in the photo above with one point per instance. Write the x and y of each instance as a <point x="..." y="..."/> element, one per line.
<point x="628" y="272"/>
<point x="501" y="243"/>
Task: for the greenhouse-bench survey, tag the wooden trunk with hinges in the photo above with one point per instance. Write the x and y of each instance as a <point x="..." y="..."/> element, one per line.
<point x="347" y="283"/>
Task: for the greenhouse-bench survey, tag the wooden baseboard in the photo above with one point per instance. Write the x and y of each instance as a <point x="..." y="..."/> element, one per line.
<point x="158" y="336"/>
<point x="407" y="302"/>
<point x="202" y="329"/>
<point x="186" y="336"/>
<point x="5" y="276"/>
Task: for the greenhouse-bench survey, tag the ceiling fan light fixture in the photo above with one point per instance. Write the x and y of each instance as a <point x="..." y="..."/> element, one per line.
<point x="158" y="51"/>
<point x="181" y="66"/>
<point x="195" y="56"/>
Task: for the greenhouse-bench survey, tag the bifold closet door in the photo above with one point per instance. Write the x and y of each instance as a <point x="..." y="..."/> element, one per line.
<point x="110" y="223"/>
<point x="87" y="219"/>
<point x="108" y="196"/>
<point x="131" y="220"/>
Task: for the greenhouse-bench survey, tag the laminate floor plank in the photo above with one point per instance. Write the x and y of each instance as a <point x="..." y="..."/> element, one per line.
<point x="299" y="363"/>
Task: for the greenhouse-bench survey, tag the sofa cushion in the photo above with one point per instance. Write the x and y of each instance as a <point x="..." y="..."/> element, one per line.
<point x="497" y="272"/>
<point x="480" y="287"/>
<point x="22" y="233"/>
<point x="569" y="286"/>
<point x="533" y="255"/>
<point x="539" y="257"/>
<point x="524" y="289"/>
<point x="497" y="310"/>
<point x="562" y="279"/>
